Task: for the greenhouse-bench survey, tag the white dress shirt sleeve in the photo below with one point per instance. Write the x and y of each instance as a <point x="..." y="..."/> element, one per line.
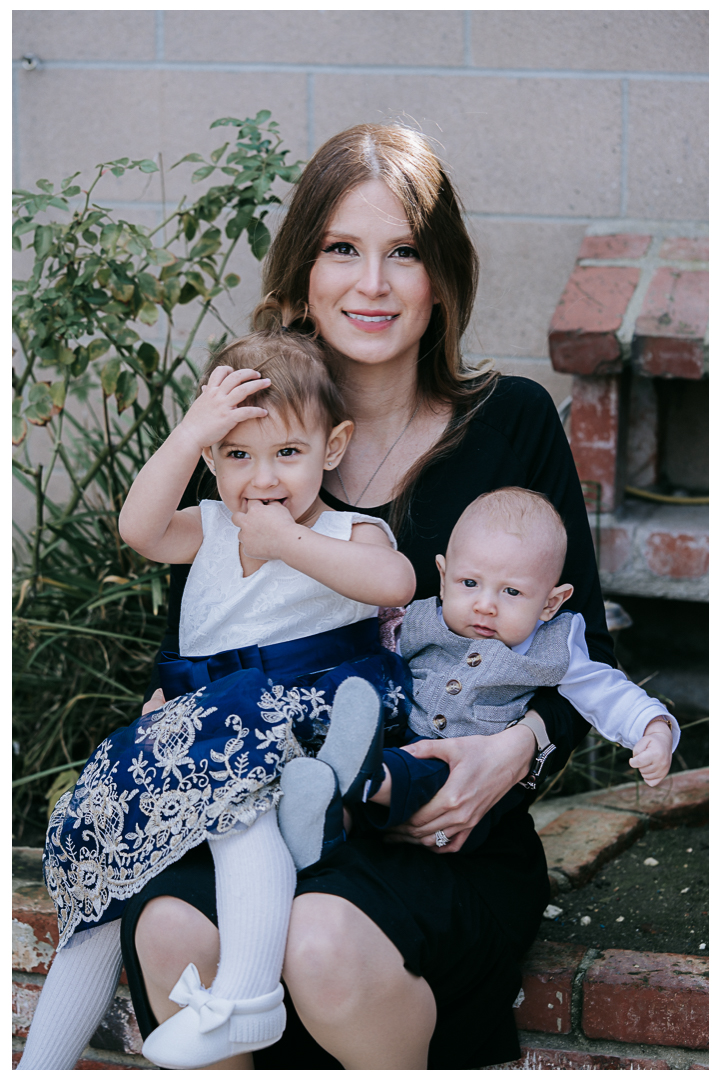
<point x="618" y="709"/>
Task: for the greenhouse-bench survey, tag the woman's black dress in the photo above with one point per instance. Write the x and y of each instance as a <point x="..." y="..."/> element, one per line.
<point x="461" y="921"/>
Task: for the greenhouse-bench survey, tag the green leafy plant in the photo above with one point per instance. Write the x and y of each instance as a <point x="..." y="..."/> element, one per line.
<point x="89" y="612"/>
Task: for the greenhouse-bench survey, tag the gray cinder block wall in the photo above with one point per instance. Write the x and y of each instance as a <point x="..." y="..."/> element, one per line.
<point x="550" y="120"/>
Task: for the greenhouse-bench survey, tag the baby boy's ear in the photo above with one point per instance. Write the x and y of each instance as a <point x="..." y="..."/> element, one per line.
<point x="440" y="563"/>
<point x="558" y="596"/>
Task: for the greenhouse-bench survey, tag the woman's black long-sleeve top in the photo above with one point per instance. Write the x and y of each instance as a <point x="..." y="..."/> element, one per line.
<point x="515" y="439"/>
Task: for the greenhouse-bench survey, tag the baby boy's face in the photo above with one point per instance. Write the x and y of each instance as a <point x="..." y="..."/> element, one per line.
<point x="496" y="584"/>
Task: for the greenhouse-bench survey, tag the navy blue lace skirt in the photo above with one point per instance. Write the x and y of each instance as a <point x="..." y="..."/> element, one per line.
<point x="207" y="762"/>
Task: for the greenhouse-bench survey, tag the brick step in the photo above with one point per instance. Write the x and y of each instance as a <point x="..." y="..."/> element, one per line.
<point x="571" y="993"/>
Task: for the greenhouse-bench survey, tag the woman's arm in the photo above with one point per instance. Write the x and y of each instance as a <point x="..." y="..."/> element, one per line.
<point x="367" y="569"/>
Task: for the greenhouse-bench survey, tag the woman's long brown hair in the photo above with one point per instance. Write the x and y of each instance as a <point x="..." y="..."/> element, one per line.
<point x="404" y="160"/>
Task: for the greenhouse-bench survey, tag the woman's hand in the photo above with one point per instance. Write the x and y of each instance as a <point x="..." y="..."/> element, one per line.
<point x="482" y="769"/>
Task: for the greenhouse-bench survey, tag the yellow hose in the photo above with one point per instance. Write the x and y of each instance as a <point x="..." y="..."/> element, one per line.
<point x="679" y="500"/>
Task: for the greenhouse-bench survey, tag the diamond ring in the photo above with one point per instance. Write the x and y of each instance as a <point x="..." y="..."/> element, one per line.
<point x="441" y="839"/>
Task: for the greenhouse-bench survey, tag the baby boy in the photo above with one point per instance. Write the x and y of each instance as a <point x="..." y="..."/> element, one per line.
<point x="478" y="654"/>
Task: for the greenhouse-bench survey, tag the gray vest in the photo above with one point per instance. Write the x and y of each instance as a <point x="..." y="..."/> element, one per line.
<point x="468" y="686"/>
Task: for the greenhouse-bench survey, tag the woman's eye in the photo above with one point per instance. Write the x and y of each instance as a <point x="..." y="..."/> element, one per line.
<point x="405" y="252"/>
<point x="469" y="583"/>
<point x="339" y="248"/>
<point x="287" y="451"/>
<point x="512" y="592"/>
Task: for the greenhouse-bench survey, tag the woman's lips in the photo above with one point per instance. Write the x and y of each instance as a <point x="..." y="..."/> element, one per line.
<point x="371" y="322"/>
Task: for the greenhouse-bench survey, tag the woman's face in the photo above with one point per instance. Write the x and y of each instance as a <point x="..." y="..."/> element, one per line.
<point x="369" y="293"/>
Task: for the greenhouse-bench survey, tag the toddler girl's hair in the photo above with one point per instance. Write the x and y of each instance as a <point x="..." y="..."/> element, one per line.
<point x="300" y="383"/>
<point x="522" y="512"/>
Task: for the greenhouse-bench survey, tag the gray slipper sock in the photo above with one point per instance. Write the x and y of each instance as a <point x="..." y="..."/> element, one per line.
<point x="309" y="788"/>
<point x="354" y="721"/>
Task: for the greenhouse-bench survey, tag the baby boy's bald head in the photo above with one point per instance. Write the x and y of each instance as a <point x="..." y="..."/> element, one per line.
<point x="526" y="514"/>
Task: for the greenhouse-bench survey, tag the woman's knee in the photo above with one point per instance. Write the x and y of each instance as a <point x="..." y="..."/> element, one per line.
<point x="170" y="934"/>
<point x="334" y="950"/>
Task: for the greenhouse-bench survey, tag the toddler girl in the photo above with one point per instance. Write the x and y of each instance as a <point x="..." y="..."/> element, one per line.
<point x="270" y="629"/>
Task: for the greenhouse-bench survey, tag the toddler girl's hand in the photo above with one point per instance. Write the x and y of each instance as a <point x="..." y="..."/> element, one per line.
<point x="266" y="529"/>
<point x="219" y="408"/>
<point x="652" y="754"/>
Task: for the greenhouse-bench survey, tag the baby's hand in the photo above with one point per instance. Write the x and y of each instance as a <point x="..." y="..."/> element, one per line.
<point x="266" y="529"/>
<point x="219" y="408"/>
<point x="652" y="754"/>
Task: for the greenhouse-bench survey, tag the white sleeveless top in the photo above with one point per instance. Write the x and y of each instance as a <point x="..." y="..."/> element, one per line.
<point x="222" y="609"/>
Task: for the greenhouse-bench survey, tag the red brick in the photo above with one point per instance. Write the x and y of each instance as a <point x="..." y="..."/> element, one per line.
<point x="680" y="797"/>
<point x="579" y="841"/>
<point x="548" y="971"/>
<point x="656" y="998"/>
<point x="672" y="324"/>
<point x="679" y="555"/>
<point x="545" y="1057"/>
<point x="615" y="549"/>
<point x="582" y="332"/>
<point x="620" y="246"/>
<point x="83" y="1063"/>
<point x="683" y="248"/>
<point x="596" y="421"/>
<point x="24" y="1002"/>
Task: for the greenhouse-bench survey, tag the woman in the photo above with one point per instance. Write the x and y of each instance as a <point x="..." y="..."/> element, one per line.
<point x="401" y="951"/>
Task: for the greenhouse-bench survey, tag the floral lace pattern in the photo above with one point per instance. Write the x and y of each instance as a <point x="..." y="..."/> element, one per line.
<point x="132" y="815"/>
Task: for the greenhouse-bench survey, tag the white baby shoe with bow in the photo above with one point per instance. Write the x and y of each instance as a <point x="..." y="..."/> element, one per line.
<point x="210" y="1029"/>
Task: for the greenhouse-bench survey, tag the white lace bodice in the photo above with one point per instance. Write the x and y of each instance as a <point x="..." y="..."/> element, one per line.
<point x="222" y="609"/>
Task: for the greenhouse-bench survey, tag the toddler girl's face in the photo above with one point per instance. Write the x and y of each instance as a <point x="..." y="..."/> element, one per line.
<point x="272" y="459"/>
<point x="497" y="584"/>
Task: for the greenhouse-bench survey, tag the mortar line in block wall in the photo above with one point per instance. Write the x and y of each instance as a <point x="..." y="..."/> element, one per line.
<point x="627" y="329"/>
<point x="159" y="35"/>
<point x="624" y="149"/>
<point x="310" y="92"/>
<point x="467" y="38"/>
<point x="267" y="67"/>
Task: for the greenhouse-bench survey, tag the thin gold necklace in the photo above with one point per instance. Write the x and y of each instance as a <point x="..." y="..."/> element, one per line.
<point x="387" y="455"/>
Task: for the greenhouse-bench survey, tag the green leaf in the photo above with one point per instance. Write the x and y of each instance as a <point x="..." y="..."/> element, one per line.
<point x="190" y="226"/>
<point x="126" y="391"/>
<point x="57" y="393"/>
<point x="109" y="237"/>
<point x="82" y="359"/>
<point x="109" y="376"/>
<point x="150" y="287"/>
<point x="189" y="157"/>
<point x="187" y="293"/>
<point x="23" y="225"/>
<point x="146" y="165"/>
<point x="40" y="404"/>
<point x="208" y="244"/>
<point x="89" y="237"/>
<point x="160" y="257"/>
<point x="68" y="180"/>
<point x="217" y="154"/>
<point x="17" y="243"/>
<point x="231" y="280"/>
<point x="45" y="185"/>
<point x="197" y="281"/>
<point x="200" y="174"/>
<point x="259" y="238"/>
<point x="149" y="356"/>
<point x="134" y="246"/>
<point x="117" y="171"/>
<point x="75" y="190"/>
<point x="65" y="356"/>
<point x="43" y="240"/>
<point x="19" y="427"/>
<point x="262" y="116"/>
<point x="173" y="291"/>
<point x="58" y="201"/>
<point x="226" y="121"/>
<point x="127" y="337"/>
<point x="262" y="184"/>
<point x="121" y="290"/>
<point x="148" y="313"/>
<point x="97" y="347"/>
<point x="236" y="224"/>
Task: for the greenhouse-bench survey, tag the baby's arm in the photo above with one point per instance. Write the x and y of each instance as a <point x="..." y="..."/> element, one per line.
<point x="367" y="569"/>
<point x="619" y="710"/>
<point x="150" y="521"/>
